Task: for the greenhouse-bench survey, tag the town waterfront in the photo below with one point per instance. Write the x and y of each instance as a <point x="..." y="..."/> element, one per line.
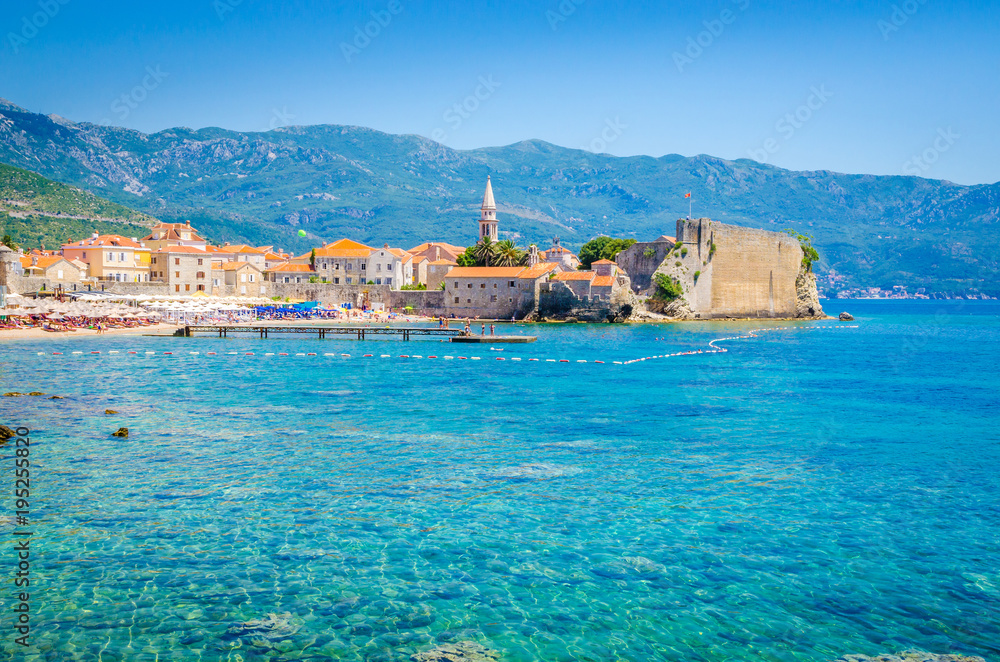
<point x="813" y="492"/>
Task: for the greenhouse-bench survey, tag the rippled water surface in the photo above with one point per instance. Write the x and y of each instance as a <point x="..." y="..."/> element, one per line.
<point x="813" y="492"/>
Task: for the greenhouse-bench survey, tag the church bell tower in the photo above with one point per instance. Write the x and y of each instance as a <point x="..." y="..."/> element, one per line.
<point x="488" y="215"/>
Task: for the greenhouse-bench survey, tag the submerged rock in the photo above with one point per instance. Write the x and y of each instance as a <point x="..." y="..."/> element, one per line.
<point x="911" y="656"/>
<point x="13" y="394"/>
<point x="463" y="651"/>
<point x="36" y="393"/>
<point x="110" y="411"/>
<point x="56" y="397"/>
<point x="6" y="433"/>
<point x="122" y="432"/>
<point x="272" y="627"/>
<point x="846" y="317"/>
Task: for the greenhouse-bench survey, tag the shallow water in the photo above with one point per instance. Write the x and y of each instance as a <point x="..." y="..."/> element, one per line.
<point x="813" y="492"/>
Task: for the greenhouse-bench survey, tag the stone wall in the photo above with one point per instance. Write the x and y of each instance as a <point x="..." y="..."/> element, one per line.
<point x="744" y="272"/>
<point x="640" y="261"/>
<point x="732" y="271"/>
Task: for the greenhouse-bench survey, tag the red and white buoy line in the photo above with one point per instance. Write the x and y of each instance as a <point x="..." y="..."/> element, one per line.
<point x="715" y="349"/>
<point x="747" y="336"/>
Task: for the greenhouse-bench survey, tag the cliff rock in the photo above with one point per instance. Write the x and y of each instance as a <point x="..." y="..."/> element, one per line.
<point x="807" y="297"/>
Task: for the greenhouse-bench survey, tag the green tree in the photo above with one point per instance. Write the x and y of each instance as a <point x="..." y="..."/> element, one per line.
<point x="9" y="242"/>
<point x="809" y="252"/>
<point x="602" y="248"/>
<point x="667" y="288"/>
<point x="485" y="252"/>
<point x="312" y="259"/>
<point x="506" y="254"/>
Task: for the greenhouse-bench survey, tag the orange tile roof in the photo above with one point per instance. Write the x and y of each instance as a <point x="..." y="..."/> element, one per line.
<point x="485" y="272"/>
<point x="575" y="275"/>
<point x="285" y="267"/>
<point x="604" y="262"/>
<point x="172" y="231"/>
<point x="345" y="248"/>
<point x="217" y="264"/>
<point x="444" y="262"/>
<point x="243" y="248"/>
<point x="431" y="244"/>
<point x="105" y="240"/>
<point x="420" y="258"/>
<point x="603" y="281"/>
<point x="539" y="270"/>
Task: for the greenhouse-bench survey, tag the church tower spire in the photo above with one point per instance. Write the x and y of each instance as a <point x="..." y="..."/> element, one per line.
<point x="488" y="215"/>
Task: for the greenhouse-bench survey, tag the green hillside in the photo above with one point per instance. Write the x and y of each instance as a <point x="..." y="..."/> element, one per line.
<point x="36" y="211"/>
<point x="335" y="181"/>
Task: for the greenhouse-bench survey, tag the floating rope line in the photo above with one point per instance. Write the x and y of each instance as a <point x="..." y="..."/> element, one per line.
<point x="715" y="348"/>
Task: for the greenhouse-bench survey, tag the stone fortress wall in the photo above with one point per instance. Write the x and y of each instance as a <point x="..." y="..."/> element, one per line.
<point x="727" y="270"/>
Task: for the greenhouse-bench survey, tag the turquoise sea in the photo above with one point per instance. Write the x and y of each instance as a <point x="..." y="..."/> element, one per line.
<point x="811" y="493"/>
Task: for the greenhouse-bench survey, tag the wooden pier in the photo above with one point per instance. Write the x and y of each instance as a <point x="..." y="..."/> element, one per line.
<point x="359" y="332"/>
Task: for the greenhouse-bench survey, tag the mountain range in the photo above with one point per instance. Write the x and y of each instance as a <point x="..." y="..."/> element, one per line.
<point x="374" y="187"/>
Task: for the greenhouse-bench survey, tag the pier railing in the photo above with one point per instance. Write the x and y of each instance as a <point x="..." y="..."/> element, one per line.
<point x="361" y="332"/>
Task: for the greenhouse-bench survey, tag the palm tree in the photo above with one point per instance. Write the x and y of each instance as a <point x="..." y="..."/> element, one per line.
<point x="507" y="254"/>
<point x="484" y="252"/>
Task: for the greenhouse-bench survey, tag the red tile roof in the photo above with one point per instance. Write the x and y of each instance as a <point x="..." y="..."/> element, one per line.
<point x="575" y="275"/>
<point x="603" y="281"/>
<point x="539" y="270"/>
<point x="604" y="262"/>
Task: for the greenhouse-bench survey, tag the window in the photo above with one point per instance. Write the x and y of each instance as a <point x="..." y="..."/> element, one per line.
<point x="388" y="267"/>
<point x="336" y="281"/>
<point x="363" y="266"/>
<point x="177" y="288"/>
<point x="121" y="257"/>
<point x="482" y="286"/>
<point x="456" y="299"/>
<point x="84" y="255"/>
<point x="177" y="274"/>
<point x="378" y="281"/>
<point x="378" y="267"/>
<point x="200" y="262"/>
<point x="470" y="286"/>
<point x="336" y="266"/>
<point x="468" y="301"/>
<point x="512" y="283"/>
<point x="510" y="299"/>
<point x="187" y="288"/>
<point x="201" y="288"/>
<point x="456" y="283"/>
<point x="243" y="289"/>
<point x="243" y="278"/>
<point x="494" y="286"/>
<point x="347" y="267"/>
<point x="388" y="281"/>
<point x="59" y="274"/>
<point x="286" y="279"/>
<point x="348" y="280"/>
<point x="111" y="257"/>
<point x="493" y="298"/>
<point x="177" y="260"/>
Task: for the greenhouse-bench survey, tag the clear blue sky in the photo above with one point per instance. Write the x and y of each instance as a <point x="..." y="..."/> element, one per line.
<point x="887" y="81"/>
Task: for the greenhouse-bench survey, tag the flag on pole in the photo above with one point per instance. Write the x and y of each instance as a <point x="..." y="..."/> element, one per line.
<point x="687" y="195"/>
